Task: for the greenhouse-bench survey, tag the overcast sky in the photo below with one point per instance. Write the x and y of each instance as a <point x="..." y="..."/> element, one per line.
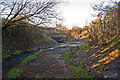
<point x="78" y="12"/>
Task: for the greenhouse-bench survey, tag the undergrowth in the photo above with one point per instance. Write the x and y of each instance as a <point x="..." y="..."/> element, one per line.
<point x="14" y="73"/>
<point x="75" y="70"/>
<point x="29" y="58"/>
<point x="49" y="52"/>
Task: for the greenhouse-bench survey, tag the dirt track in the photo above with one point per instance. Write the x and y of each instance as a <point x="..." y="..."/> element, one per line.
<point x="46" y="65"/>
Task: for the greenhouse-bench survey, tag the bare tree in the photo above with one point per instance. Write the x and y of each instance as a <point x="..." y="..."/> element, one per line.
<point x="36" y="11"/>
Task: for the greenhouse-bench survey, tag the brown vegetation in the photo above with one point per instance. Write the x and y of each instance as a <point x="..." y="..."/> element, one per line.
<point x="23" y="39"/>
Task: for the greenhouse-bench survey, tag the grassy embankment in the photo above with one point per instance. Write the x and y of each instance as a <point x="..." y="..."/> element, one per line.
<point x="18" y="40"/>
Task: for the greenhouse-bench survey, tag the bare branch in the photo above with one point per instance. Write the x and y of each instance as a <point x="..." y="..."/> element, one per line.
<point x="43" y="10"/>
<point x="11" y="11"/>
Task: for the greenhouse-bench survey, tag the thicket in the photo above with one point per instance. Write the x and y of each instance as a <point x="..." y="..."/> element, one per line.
<point x="105" y="29"/>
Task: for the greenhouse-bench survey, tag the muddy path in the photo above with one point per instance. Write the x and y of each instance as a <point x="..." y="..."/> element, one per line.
<point x="7" y="65"/>
<point x="15" y="61"/>
<point x="46" y="66"/>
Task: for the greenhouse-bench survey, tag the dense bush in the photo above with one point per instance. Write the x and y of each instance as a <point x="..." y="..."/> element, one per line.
<point x="105" y="28"/>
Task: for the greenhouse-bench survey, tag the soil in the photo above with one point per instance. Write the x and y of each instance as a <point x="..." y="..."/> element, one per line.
<point x="46" y="65"/>
<point x="52" y="66"/>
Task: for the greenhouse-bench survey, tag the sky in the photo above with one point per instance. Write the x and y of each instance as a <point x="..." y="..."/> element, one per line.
<point x="78" y="13"/>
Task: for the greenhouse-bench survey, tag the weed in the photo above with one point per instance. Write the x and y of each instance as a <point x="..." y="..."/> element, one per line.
<point x="37" y="77"/>
<point x="58" y="77"/>
<point x="40" y="51"/>
<point x="101" y="68"/>
<point x="66" y="56"/>
<point x="41" y="55"/>
<point x="14" y="73"/>
<point x="49" y="52"/>
<point x="29" y="58"/>
<point x="76" y="71"/>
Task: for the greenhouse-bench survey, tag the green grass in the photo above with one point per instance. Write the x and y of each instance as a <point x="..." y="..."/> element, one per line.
<point x="75" y="70"/>
<point x="33" y="57"/>
<point x="49" y="52"/>
<point x="29" y="58"/>
<point x="14" y="73"/>
<point x="100" y="68"/>
<point x="78" y="72"/>
<point x="66" y="57"/>
<point x="37" y="76"/>
<point x="17" y="71"/>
